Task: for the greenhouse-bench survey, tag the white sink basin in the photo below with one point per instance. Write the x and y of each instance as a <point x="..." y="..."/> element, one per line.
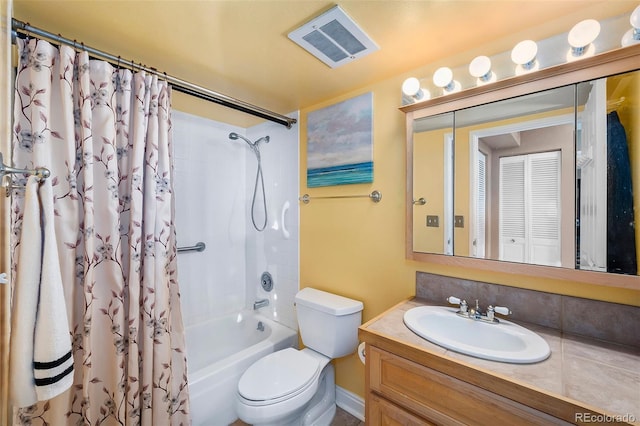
<point x="504" y="342"/>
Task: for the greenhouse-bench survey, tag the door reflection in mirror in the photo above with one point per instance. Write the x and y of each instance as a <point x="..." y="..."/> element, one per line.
<point x="433" y="181"/>
<point x="607" y="235"/>
<point x="519" y="195"/>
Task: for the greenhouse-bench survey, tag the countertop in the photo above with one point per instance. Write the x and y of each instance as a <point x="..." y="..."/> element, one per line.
<point x="599" y="375"/>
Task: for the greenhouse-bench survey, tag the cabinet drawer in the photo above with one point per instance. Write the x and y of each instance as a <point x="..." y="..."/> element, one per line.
<point x="384" y="413"/>
<point x="444" y="399"/>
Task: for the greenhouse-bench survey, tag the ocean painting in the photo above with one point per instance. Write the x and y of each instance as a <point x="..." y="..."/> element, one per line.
<point x="340" y="143"/>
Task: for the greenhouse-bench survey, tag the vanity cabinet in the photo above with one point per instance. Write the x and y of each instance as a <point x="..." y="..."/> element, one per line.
<point x="411" y="381"/>
<point x="405" y="392"/>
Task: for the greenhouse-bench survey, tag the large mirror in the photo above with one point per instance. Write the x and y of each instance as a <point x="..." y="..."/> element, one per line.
<point x="547" y="178"/>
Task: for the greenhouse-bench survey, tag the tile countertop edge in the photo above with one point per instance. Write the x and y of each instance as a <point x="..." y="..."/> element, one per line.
<point x="463" y="368"/>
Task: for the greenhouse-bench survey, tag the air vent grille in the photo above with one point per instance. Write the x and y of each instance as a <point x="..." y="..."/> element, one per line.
<point x="334" y="38"/>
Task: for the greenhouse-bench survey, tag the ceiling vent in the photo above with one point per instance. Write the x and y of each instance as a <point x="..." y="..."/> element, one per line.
<point x="334" y="38"/>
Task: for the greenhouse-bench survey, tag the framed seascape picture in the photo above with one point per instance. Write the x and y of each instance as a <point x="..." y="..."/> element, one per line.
<point x="340" y="143"/>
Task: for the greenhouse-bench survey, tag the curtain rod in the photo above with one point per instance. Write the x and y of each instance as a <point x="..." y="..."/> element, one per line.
<point x="176" y="83"/>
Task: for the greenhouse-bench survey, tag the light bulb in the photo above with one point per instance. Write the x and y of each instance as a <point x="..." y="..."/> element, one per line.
<point x="582" y="35"/>
<point x="524" y="54"/>
<point x="411" y="88"/>
<point x="443" y="77"/>
<point x="634" y="19"/>
<point x="633" y="35"/>
<point x="480" y="68"/>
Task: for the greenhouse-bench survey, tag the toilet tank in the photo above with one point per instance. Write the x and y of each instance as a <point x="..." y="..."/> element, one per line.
<point x="328" y="323"/>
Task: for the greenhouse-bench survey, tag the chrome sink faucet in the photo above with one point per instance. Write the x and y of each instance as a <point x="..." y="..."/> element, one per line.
<point x="476" y="313"/>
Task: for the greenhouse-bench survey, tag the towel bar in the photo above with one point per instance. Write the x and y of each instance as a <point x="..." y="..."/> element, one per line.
<point x="375" y="196"/>
<point x="40" y="172"/>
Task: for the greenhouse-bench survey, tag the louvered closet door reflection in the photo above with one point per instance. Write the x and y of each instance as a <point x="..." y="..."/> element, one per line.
<point x="530" y="208"/>
<point x="479" y="219"/>
<point x="513" y="244"/>
<point x="545" y="208"/>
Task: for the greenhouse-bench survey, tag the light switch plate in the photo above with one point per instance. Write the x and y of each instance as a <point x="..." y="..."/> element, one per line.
<point x="458" y="221"/>
<point x="433" y="221"/>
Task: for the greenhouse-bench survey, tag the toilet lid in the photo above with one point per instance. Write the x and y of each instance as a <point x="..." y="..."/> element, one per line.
<point x="278" y="374"/>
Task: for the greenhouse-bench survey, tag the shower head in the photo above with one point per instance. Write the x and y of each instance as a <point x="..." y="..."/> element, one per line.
<point x="259" y="178"/>
<point x="235" y="136"/>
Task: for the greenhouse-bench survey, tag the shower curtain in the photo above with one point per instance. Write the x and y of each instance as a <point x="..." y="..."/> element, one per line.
<point x="105" y="135"/>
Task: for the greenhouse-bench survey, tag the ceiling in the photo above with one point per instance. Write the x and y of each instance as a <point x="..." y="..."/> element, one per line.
<point x="240" y="47"/>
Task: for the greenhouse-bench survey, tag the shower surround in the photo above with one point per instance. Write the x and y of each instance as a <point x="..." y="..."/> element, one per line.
<point x="214" y="180"/>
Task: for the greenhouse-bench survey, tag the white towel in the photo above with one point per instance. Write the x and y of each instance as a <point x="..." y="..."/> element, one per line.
<point x="25" y="302"/>
<point x="52" y="358"/>
<point x="41" y="364"/>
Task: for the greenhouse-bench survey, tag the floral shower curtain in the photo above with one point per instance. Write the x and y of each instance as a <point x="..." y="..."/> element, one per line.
<point x="105" y="135"/>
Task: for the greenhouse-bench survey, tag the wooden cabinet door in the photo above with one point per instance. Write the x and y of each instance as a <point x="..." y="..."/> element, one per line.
<point x="381" y="412"/>
<point x="444" y="399"/>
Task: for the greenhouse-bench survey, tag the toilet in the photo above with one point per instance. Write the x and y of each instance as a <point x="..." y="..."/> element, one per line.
<point x="297" y="387"/>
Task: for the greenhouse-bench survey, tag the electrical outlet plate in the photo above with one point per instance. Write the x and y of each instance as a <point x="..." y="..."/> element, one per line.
<point x="433" y="221"/>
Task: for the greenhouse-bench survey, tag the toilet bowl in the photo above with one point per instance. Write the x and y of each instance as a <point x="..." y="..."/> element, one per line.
<point x="279" y="388"/>
<point x="297" y="387"/>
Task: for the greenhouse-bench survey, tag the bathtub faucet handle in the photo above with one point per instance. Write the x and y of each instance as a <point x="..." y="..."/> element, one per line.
<point x="260" y="303"/>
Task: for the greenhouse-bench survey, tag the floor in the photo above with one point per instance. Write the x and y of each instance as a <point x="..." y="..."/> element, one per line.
<point x="342" y="418"/>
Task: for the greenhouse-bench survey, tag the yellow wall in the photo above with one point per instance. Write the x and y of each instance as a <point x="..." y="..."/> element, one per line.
<point x="356" y="248"/>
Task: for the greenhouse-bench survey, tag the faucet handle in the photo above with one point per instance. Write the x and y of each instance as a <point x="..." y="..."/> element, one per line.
<point x="502" y="310"/>
<point x="462" y="303"/>
<point x="453" y="300"/>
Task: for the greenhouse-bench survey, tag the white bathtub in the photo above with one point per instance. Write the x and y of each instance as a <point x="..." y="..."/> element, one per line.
<point x="218" y="352"/>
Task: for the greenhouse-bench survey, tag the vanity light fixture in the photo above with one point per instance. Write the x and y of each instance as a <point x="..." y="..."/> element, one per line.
<point x="411" y="89"/>
<point x="584" y="40"/>
<point x="524" y="56"/>
<point x="581" y="38"/>
<point x="480" y="68"/>
<point x="633" y="35"/>
<point x="443" y="77"/>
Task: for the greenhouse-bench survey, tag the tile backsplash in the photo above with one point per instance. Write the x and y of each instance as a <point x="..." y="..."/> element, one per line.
<point x="612" y="322"/>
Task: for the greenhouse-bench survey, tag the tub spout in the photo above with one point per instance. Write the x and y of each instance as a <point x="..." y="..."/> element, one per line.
<point x="260" y="303"/>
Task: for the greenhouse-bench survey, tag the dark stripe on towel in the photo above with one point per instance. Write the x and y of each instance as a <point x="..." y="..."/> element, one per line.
<point x="51" y="364"/>
<point x="51" y="380"/>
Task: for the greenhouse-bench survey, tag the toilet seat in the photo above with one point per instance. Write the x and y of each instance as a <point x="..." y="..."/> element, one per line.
<point x="279" y="376"/>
